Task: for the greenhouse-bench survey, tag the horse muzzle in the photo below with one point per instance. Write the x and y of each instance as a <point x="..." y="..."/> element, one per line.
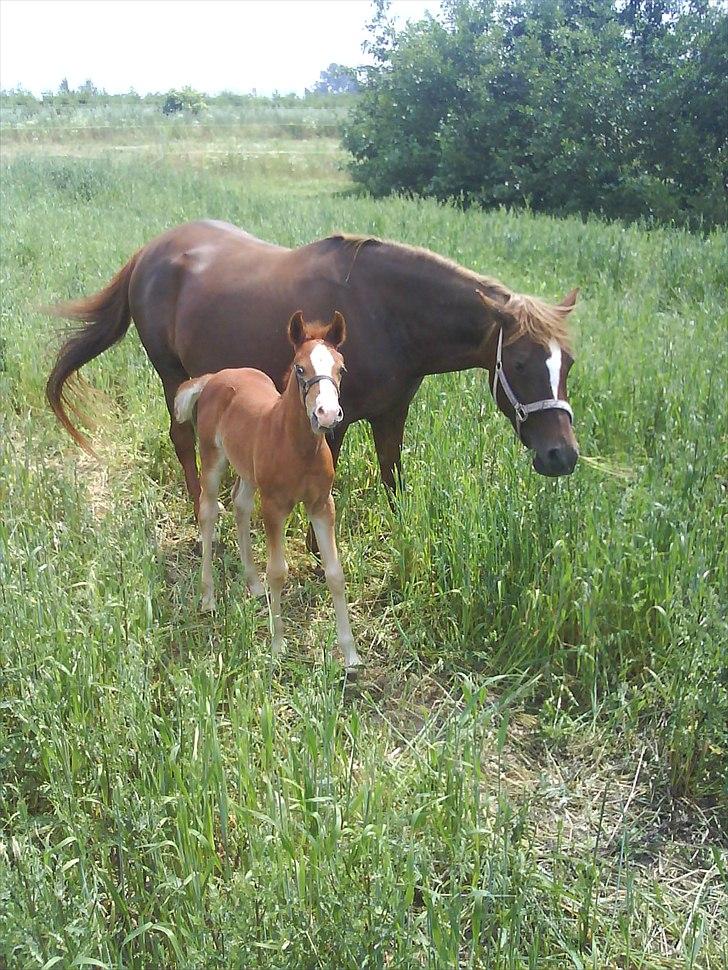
<point x="555" y="462"/>
<point x="325" y="422"/>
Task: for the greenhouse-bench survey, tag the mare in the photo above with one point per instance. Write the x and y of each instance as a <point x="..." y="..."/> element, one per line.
<point x="276" y="444"/>
<point x="206" y="295"/>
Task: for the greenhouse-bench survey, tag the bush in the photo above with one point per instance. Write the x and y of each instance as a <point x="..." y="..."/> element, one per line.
<point x="569" y="106"/>
<point x="186" y="99"/>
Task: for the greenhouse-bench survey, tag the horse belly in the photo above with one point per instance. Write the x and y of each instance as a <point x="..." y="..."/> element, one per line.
<point x="246" y="418"/>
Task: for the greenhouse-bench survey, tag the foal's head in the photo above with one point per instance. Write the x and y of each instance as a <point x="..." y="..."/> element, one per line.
<point x="529" y="360"/>
<point x="317" y="367"/>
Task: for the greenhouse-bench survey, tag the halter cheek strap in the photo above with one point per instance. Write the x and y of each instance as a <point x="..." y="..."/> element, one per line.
<point x="522" y="410"/>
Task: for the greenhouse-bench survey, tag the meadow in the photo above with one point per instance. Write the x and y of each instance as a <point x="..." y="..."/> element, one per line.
<point x="531" y="771"/>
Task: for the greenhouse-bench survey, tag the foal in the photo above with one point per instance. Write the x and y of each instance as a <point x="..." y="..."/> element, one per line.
<point x="276" y="443"/>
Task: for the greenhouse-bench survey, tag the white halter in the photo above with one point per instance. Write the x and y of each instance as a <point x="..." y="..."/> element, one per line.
<point x="522" y="410"/>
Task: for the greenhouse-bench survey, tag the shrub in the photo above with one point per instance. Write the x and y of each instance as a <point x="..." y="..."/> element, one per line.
<point x="569" y="106"/>
<point x="185" y="99"/>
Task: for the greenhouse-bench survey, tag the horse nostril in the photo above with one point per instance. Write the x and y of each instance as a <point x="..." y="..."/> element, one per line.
<point x="555" y="457"/>
<point x="320" y="409"/>
<point x="340" y="415"/>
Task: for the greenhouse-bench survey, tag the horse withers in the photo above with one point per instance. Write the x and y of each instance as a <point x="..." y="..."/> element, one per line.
<point x="276" y="443"/>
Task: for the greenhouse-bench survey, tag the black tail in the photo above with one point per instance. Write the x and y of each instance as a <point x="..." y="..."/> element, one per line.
<point x="106" y="319"/>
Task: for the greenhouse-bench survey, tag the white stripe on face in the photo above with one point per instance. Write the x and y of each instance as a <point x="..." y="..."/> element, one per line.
<point x="554" y="367"/>
<point x="326" y="406"/>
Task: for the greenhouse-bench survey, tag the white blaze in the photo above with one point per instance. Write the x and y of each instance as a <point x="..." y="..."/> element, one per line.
<point x="554" y="366"/>
<point x="326" y="406"/>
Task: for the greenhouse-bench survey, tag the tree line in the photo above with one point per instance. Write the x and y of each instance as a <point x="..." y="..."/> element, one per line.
<point x="566" y="106"/>
<point x="334" y="83"/>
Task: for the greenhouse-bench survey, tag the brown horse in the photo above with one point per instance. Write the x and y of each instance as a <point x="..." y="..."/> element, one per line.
<point x="206" y="296"/>
<point x="275" y="442"/>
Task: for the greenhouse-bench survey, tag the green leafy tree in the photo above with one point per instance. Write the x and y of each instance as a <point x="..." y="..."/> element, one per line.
<point x="336" y="79"/>
<point x="565" y="105"/>
<point x="183" y="99"/>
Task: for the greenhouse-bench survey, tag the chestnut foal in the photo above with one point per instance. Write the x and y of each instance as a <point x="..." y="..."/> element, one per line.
<point x="276" y="443"/>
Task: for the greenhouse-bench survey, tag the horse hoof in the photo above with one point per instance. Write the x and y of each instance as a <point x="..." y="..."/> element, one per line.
<point x="256" y="589"/>
<point x="353" y="667"/>
<point x="208" y="604"/>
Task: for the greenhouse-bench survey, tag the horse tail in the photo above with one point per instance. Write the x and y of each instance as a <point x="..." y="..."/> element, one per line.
<point x="186" y="397"/>
<point x="105" y="318"/>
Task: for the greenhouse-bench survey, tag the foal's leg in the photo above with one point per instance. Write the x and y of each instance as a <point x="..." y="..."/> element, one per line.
<point x="243" y="499"/>
<point x="323" y="521"/>
<point x="274" y="518"/>
<point x="335" y="441"/>
<point x="213" y="462"/>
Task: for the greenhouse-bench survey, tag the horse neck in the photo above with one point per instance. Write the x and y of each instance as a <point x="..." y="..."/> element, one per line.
<point x="437" y="307"/>
<point x="295" y="423"/>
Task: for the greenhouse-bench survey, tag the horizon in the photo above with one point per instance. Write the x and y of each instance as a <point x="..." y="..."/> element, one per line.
<point x="154" y="52"/>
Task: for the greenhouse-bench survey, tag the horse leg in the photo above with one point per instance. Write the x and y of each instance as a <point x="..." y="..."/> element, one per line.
<point x="243" y="499"/>
<point x="335" y="443"/>
<point x="324" y="521"/>
<point x="183" y="438"/>
<point x="213" y="462"/>
<point x="276" y="571"/>
<point x="388" y="431"/>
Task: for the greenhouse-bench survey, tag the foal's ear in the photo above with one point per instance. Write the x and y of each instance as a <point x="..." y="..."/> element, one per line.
<point x="569" y="301"/>
<point x="336" y="334"/>
<point x="296" y="328"/>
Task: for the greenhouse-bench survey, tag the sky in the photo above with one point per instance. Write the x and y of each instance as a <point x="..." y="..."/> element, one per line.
<point x="212" y="45"/>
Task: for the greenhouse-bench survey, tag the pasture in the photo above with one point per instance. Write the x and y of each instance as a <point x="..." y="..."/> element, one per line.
<point x="530" y="772"/>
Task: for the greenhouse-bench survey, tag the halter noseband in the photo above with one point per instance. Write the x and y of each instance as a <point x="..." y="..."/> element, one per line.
<point x="306" y="385"/>
<point x="522" y="410"/>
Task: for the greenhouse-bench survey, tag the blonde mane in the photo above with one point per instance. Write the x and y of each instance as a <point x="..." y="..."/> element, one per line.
<point x="541" y="321"/>
<point x="531" y="317"/>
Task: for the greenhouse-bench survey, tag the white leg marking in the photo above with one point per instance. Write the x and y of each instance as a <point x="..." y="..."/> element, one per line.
<point x="323" y="526"/>
<point x="208" y="516"/>
<point x="554" y="367"/>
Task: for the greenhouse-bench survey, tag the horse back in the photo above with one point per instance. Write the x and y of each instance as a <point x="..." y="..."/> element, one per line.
<point x="207" y="296"/>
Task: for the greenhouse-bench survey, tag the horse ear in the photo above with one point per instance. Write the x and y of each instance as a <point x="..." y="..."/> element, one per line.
<point x="569" y="301"/>
<point x="337" y="330"/>
<point x="497" y="310"/>
<point x="296" y="328"/>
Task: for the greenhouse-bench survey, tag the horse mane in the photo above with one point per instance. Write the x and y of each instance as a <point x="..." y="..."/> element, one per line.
<point x="541" y="321"/>
<point x="530" y="316"/>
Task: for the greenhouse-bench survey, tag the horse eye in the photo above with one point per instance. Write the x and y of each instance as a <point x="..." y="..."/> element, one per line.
<point x="299" y="369"/>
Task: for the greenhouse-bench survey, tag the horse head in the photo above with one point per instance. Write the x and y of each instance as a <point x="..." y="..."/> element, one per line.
<point x="529" y="358"/>
<point x="318" y="366"/>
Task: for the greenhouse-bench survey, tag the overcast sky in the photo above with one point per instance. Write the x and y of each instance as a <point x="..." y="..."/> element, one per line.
<point x="212" y="45"/>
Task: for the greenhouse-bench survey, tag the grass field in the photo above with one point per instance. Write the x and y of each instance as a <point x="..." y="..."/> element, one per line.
<point x="532" y="770"/>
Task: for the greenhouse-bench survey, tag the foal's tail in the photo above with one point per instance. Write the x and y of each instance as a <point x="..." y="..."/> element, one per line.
<point x="186" y="397"/>
<point x="105" y="318"/>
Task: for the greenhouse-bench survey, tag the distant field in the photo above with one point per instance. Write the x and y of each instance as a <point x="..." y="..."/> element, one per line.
<point x="532" y="770"/>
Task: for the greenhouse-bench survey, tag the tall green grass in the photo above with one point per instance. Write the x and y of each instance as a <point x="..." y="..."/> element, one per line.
<point x="544" y="718"/>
